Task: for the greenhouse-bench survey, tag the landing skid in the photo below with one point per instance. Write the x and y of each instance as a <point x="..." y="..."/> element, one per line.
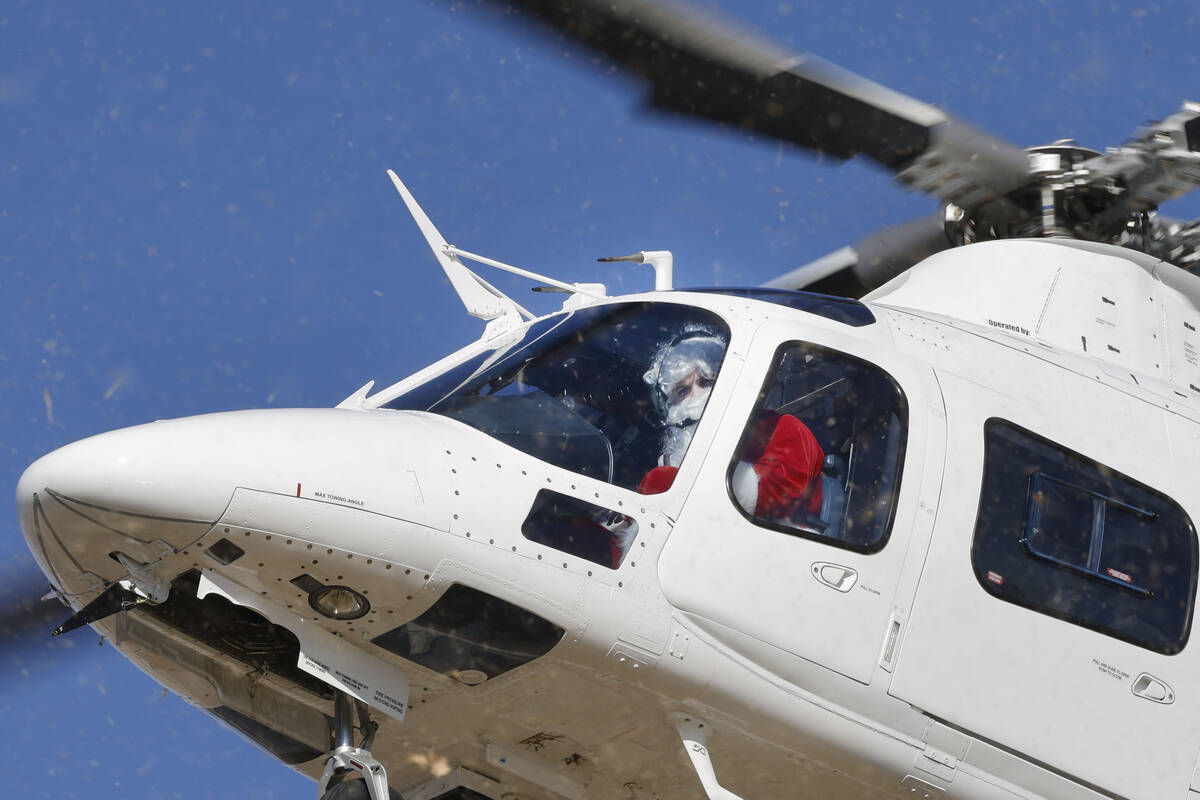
<point x="693" y="733"/>
<point x="348" y="758"/>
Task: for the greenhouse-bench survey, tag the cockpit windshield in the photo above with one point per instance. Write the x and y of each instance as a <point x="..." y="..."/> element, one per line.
<point x="612" y="392"/>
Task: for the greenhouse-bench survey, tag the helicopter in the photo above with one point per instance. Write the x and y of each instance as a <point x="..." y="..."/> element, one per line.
<point x="717" y="752"/>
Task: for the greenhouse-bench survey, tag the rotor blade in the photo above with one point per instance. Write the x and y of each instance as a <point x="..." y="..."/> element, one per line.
<point x="835" y="263"/>
<point x="1175" y="241"/>
<point x="871" y="262"/>
<point x="25" y="618"/>
<point x="706" y="67"/>
<point x="1160" y="162"/>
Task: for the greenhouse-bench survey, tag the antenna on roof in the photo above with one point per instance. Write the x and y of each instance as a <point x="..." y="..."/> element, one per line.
<point x="661" y="260"/>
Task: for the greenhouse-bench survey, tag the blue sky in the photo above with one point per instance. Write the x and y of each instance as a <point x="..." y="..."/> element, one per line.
<point x="194" y="217"/>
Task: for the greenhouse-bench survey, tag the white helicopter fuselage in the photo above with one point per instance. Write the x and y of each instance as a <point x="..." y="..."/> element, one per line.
<point x="944" y="656"/>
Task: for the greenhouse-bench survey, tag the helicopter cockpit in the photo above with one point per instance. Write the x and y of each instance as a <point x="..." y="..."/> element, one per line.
<point x="579" y="391"/>
<point x="590" y="391"/>
<point x="573" y="391"/>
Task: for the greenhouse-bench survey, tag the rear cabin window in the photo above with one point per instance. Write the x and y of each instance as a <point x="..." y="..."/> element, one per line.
<point x="1063" y="535"/>
<point x="822" y="453"/>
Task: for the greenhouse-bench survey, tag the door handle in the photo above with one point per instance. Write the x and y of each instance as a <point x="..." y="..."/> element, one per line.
<point x="835" y="576"/>
<point x="1153" y="689"/>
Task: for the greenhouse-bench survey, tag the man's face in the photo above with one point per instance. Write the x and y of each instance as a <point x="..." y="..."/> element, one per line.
<point x="692" y="385"/>
<point x="688" y="396"/>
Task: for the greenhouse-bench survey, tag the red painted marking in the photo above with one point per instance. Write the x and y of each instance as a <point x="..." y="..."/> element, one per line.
<point x="1121" y="576"/>
<point x="297" y="490"/>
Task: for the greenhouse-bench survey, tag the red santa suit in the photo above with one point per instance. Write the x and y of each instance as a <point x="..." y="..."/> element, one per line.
<point x="658" y="480"/>
<point x="786" y="461"/>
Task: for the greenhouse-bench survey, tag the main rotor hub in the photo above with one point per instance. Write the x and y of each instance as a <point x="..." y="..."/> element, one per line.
<point x="1070" y="196"/>
<point x="1058" y="157"/>
<point x="1064" y="197"/>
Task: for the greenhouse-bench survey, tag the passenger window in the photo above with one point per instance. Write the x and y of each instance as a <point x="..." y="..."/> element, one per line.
<point x="1065" y="536"/>
<point x="821" y="455"/>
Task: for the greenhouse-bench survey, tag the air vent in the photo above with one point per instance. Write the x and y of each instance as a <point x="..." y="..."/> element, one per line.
<point x="224" y="551"/>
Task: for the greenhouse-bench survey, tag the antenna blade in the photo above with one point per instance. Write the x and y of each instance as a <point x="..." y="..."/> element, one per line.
<point x="478" y="300"/>
<point x="356" y="400"/>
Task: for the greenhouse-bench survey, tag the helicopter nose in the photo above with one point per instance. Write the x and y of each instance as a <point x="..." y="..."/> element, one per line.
<point x="143" y="491"/>
<point x="153" y="490"/>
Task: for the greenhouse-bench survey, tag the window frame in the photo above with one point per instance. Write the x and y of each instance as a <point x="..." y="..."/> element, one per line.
<point x="1100" y="504"/>
<point x="756" y="410"/>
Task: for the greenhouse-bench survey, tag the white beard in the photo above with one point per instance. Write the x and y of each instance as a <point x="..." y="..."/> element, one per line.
<point x="690" y="409"/>
<point x="678" y="439"/>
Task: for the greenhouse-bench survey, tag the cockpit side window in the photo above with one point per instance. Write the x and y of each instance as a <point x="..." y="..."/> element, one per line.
<point x="612" y="392"/>
<point x="595" y="533"/>
<point x="1071" y="538"/>
<point x="822" y="452"/>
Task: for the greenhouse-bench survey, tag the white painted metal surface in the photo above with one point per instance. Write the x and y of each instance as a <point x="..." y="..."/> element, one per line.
<point x="714" y="544"/>
<point x="819" y="670"/>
